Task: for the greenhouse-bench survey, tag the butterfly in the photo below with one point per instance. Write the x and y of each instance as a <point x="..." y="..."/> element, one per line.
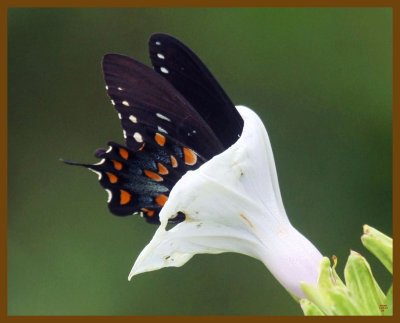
<point x="174" y="117"/>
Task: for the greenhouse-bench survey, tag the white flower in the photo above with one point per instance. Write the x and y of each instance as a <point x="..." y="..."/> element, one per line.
<point x="232" y="203"/>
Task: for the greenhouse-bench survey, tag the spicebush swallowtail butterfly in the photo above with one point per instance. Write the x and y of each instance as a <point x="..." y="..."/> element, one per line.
<point x="174" y="118"/>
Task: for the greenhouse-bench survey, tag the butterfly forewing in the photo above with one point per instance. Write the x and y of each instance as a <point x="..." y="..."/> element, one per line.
<point x="185" y="71"/>
<point x="147" y="104"/>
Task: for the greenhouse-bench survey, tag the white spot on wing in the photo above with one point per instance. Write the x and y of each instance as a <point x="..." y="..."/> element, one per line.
<point x="112" y="102"/>
<point x="124" y="132"/>
<point x="160" y="56"/>
<point x="162" y="130"/>
<point x="106" y="87"/>
<point x="119" y="88"/>
<point x="109" y="149"/>
<point x="109" y="195"/>
<point x="96" y="172"/>
<point x="138" y="137"/>
<point x="125" y="103"/>
<point x="158" y="43"/>
<point x="161" y="116"/>
<point x="164" y="70"/>
<point x="101" y="162"/>
<point x="119" y="116"/>
<point x="133" y="118"/>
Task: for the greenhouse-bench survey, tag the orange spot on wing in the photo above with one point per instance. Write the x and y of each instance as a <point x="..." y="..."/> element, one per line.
<point x="161" y="199"/>
<point x="148" y="212"/>
<point x="160" y="139"/>
<point x="162" y="169"/>
<point x="153" y="176"/>
<point x="117" y="165"/>
<point x="124" y="153"/>
<point x="174" y="162"/>
<point x="125" y="197"/>
<point x="189" y="156"/>
<point x="112" y="178"/>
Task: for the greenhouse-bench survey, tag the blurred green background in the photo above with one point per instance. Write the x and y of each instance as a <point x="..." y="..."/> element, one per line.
<point x="319" y="78"/>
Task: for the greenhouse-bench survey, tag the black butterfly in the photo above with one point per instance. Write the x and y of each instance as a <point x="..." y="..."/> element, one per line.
<point x="174" y="119"/>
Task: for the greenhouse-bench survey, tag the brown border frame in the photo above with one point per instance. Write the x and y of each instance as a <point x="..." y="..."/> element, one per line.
<point x="5" y="4"/>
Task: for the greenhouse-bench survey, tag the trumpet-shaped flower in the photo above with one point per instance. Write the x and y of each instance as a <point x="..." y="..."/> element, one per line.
<point x="232" y="203"/>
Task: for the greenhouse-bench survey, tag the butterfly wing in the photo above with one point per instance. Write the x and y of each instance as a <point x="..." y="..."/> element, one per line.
<point x="167" y="132"/>
<point x="148" y="104"/>
<point x="139" y="181"/>
<point x="165" y="137"/>
<point x="185" y="71"/>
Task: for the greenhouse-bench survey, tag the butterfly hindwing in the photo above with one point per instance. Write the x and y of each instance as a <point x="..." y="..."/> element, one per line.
<point x="139" y="181"/>
<point x="186" y="72"/>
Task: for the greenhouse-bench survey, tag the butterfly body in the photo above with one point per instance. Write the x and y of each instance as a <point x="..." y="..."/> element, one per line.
<point x="174" y="118"/>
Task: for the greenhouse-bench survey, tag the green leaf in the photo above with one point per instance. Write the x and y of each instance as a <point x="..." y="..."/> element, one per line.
<point x="330" y="295"/>
<point x="309" y="308"/>
<point x="360" y="294"/>
<point x="380" y="245"/>
<point x="314" y="295"/>
<point x="336" y="279"/>
<point x="325" y="279"/>
<point x="362" y="285"/>
<point x="343" y="303"/>
<point x="389" y="303"/>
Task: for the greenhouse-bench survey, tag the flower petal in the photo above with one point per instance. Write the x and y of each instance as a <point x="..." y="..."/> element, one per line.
<point x="232" y="203"/>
